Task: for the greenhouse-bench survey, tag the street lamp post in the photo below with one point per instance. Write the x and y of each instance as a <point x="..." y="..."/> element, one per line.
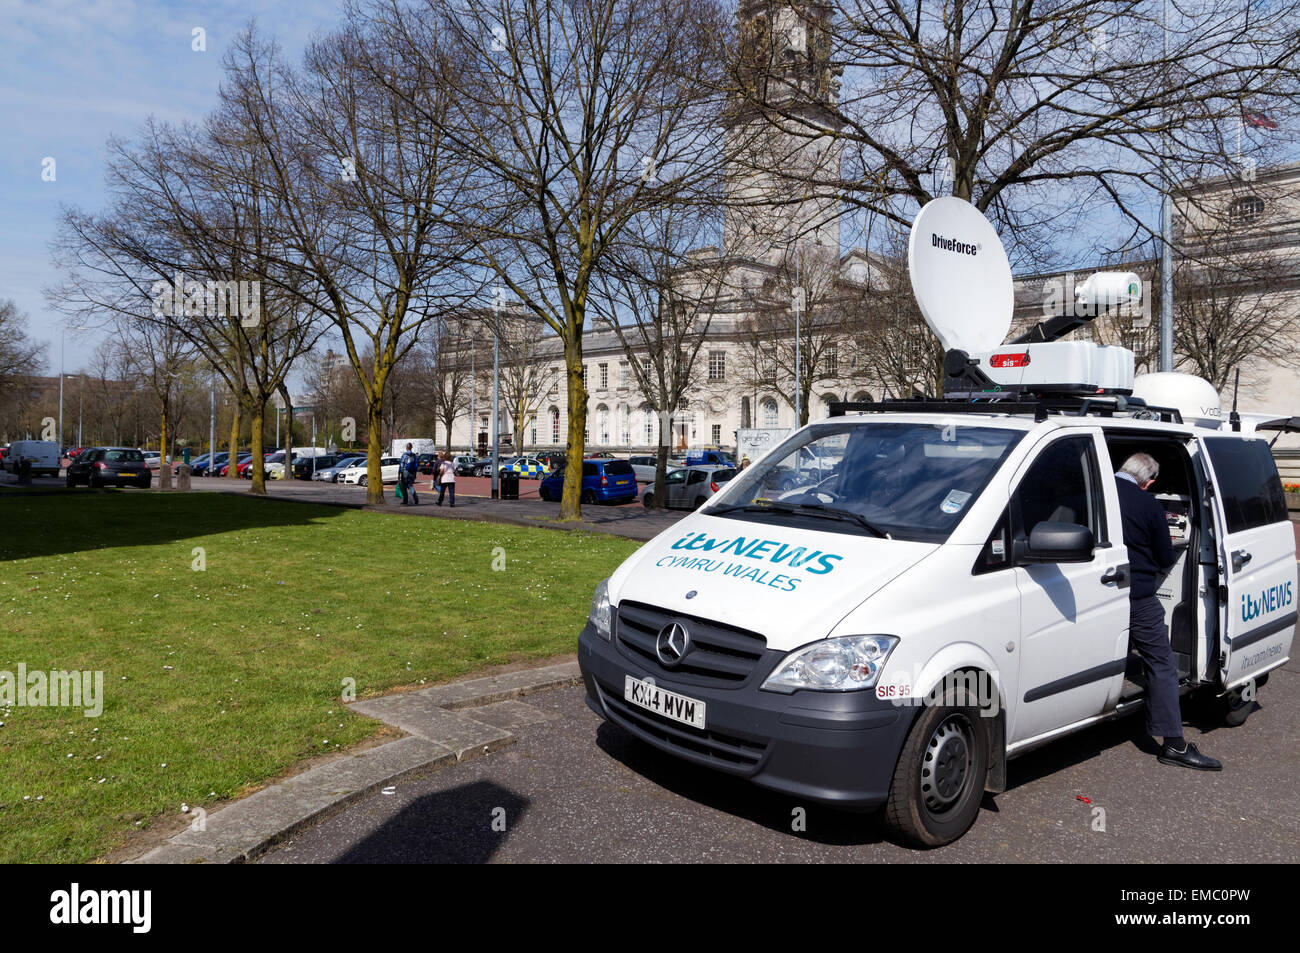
<point x="62" y="337"/>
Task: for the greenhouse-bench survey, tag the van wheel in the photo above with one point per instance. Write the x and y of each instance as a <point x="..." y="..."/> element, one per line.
<point x="71" y="482"/>
<point x="544" y="494"/>
<point x="588" y="496"/>
<point x="939" y="779"/>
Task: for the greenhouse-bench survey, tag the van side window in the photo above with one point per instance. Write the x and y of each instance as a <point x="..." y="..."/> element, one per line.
<point x="1063" y="484"/>
<point x="1247" y="475"/>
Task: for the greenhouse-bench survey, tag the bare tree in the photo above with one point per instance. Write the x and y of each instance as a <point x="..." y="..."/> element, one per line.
<point x="370" y="189"/>
<point x="658" y="294"/>
<point x="580" y="115"/>
<point x="1041" y="114"/>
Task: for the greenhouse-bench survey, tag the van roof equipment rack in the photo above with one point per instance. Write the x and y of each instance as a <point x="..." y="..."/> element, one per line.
<point x="1040" y="408"/>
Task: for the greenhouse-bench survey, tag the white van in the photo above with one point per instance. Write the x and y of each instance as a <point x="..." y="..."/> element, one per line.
<point x="43" y="455"/>
<point x="952" y="594"/>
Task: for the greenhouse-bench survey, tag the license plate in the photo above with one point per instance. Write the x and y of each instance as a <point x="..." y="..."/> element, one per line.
<point x="646" y="694"/>
<point x="621" y="482"/>
<point x="126" y="473"/>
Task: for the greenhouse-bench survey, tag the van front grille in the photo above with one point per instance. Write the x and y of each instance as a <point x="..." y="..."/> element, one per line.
<point x="719" y="655"/>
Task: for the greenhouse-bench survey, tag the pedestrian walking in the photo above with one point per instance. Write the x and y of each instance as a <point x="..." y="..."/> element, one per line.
<point x="445" y="474"/>
<point x="407" y="468"/>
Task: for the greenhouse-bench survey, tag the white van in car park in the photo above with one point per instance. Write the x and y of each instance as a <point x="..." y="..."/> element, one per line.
<point x="43" y="455"/>
<point x="955" y="592"/>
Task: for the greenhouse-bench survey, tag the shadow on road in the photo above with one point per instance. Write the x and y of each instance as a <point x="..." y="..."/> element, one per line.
<point x="463" y="825"/>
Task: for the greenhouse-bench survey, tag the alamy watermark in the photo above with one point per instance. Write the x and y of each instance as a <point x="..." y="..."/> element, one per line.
<point x="182" y="296"/>
<point x="53" y="689"/>
<point x="977" y="688"/>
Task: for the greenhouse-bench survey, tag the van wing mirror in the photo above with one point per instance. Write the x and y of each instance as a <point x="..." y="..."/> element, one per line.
<point x="1052" y="541"/>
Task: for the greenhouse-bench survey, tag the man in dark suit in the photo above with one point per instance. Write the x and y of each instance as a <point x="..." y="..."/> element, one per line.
<point x="1150" y="554"/>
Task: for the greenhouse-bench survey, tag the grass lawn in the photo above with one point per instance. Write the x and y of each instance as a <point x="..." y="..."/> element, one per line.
<point x="216" y="679"/>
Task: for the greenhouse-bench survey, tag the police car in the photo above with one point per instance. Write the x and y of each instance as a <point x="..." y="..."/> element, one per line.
<point x="528" y="468"/>
<point x="954" y="593"/>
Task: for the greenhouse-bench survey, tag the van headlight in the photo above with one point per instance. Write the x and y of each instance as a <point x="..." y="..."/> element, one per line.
<point x="833" y="665"/>
<point x="601" y="614"/>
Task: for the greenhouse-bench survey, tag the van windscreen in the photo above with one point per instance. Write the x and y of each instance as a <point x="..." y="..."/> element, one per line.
<point x="912" y="481"/>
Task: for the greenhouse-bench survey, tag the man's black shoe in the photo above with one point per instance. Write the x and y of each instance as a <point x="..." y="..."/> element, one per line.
<point x="1189" y="757"/>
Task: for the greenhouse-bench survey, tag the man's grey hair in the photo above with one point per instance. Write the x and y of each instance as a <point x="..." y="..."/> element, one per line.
<point x="1141" y="466"/>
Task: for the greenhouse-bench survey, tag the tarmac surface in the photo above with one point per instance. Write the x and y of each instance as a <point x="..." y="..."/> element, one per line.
<point x="575" y="789"/>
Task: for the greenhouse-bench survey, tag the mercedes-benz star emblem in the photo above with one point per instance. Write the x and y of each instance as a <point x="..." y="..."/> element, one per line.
<point x="672" y="644"/>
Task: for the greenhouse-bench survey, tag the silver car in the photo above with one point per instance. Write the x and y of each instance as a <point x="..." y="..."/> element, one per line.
<point x="690" y="487"/>
<point x="645" y="468"/>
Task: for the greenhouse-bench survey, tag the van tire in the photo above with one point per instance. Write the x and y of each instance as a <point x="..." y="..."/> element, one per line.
<point x="71" y="483"/>
<point x="929" y="810"/>
<point x="588" y="496"/>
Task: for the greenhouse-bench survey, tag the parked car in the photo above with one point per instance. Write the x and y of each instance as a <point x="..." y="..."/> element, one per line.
<point x="41" y="455"/>
<point x="358" y="475"/>
<point x="206" y="467"/>
<point x="195" y="465"/>
<point x="690" y="487"/>
<point x="644" y="467"/>
<point x="304" y="467"/>
<point x="100" y="466"/>
<point x="603" y="481"/>
<point x="552" y="458"/>
<point x="464" y="464"/>
<point x="243" y="457"/>
<point x="330" y="474"/>
<point x="152" y="458"/>
<point x="528" y="468"/>
<point x="709" y="457"/>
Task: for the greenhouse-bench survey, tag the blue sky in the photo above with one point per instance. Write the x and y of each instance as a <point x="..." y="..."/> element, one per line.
<point x="74" y="72"/>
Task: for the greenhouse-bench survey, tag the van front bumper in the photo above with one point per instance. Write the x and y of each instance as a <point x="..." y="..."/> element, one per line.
<point x="836" y="748"/>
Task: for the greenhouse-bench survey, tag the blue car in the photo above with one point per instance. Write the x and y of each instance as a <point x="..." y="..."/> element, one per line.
<point x="603" y="481"/>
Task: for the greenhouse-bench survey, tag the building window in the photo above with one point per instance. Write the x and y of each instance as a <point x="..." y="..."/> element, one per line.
<point x="832" y="361"/>
<point x="534" y="432"/>
<point x="625" y="421"/>
<point x="1246" y="210"/>
<point x="771" y="417"/>
<point x="648" y="426"/>
<point x="624" y="373"/>
<point x="555" y="425"/>
<point x="584" y="376"/>
<point x="717" y="365"/>
<point x="649" y="369"/>
<point x="717" y="434"/>
<point x="744" y="413"/>
<point x="602" y="421"/>
<point x="604" y="377"/>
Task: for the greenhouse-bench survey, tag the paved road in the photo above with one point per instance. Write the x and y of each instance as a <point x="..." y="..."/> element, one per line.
<point x="574" y="789"/>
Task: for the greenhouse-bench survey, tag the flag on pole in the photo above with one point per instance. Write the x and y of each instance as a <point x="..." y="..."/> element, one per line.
<point x="1257" y="120"/>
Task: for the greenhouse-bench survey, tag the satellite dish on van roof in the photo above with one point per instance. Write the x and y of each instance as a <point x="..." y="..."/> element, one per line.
<point x="1193" y="397"/>
<point x="960" y="275"/>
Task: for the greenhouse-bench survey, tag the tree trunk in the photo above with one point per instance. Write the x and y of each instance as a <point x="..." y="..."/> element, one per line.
<point x="575" y="450"/>
<point x="164" y="471"/>
<point x="231" y="461"/>
<point x="659" y="497"/>
<point x="257" y="462"/>
<point x="374" y="472"/>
